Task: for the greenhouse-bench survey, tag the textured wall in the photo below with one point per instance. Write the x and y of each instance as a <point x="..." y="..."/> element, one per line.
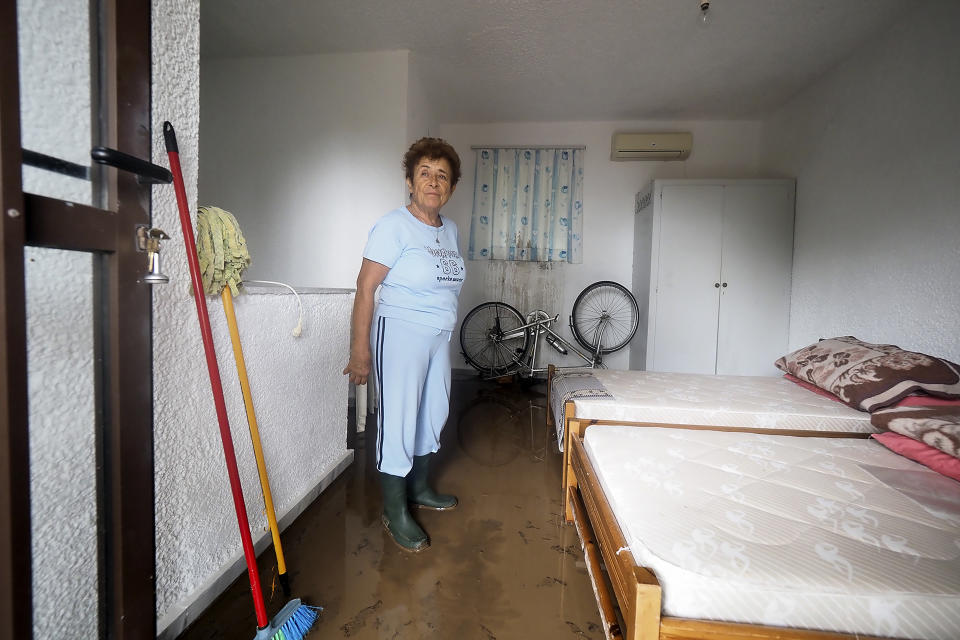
<point x="299" y="394"/>
<point x="54" y="43"/>
<point x="178" y="380"/>
<point x="62" y="465"/>
<point x="873" y="146"/>
<point x="54" y="47"/>
<point x="300" y="398"/>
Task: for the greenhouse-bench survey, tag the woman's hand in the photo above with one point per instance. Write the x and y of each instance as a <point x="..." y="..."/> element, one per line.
<point x="358" y="367"/>
<point x="371" y="275"/>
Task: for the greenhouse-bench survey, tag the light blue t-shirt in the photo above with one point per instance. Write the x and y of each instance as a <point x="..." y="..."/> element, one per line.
<point x="426" y="268"/>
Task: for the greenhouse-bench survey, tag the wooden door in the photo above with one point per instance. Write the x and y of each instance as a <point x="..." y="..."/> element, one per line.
<point x="687" y="235"/>
<point x="755" y="277"/>
<point x="73" y="301"/>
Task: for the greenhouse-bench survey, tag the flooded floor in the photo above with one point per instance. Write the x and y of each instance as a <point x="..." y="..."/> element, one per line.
<point x="502" y="565"/>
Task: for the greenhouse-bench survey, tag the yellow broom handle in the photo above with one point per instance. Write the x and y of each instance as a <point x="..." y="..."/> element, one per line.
<point x="252" y="423"/>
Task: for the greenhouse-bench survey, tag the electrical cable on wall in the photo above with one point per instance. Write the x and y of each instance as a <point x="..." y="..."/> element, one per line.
<point x="297" y="330"/>
<point x="223" y="255"/>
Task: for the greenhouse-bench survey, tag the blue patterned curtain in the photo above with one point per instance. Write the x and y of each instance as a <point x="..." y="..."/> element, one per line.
<point x="528" y="205"/>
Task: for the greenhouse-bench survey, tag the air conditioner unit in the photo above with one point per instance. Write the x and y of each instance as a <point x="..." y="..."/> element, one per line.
<point x="651" y="146"/>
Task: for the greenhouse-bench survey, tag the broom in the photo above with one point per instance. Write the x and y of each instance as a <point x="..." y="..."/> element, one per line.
<point x="222" y="251"/>
<point x="295" y="619"/>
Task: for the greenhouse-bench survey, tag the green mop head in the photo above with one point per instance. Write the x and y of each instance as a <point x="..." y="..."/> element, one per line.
<point x="223" y="255"/>
<point x="222" y="250"/>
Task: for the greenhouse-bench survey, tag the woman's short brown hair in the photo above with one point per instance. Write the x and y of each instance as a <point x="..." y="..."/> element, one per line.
<point x="433" y="148"/>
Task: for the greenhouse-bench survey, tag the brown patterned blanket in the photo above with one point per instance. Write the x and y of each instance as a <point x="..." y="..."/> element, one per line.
<point x="937" y="426"/>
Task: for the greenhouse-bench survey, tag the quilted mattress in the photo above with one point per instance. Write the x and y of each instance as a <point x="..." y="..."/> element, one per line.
<point x="822" y="533"/>
<point x="736" y="401"/>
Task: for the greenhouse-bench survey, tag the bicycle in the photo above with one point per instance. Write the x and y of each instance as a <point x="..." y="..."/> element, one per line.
<point x="498" y="341"/>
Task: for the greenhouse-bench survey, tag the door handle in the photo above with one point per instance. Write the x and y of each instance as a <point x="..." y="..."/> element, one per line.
<point x="51" y="163"/>
<point x="148" y="240"/>
<point x="146" y="172"/>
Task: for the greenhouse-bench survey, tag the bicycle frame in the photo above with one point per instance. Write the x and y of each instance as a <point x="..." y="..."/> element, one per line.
<point x="541" y="327"/>
<point x="494" y="335"/>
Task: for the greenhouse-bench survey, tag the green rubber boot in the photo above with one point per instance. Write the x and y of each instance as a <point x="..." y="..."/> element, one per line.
<point x="419" y="493"/>
<point x="396" y="517"/>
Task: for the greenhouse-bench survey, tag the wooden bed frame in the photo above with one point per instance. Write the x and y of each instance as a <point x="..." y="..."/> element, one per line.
<point x="636" y="590"/>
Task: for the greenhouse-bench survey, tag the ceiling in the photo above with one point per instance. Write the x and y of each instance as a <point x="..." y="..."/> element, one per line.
<point x="552" y="60"/>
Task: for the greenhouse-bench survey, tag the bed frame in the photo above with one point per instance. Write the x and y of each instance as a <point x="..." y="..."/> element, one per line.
<point x="635" y="589"/>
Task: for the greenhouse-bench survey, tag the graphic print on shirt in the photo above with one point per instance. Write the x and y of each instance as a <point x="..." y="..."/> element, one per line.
<point x="449" y="266"/>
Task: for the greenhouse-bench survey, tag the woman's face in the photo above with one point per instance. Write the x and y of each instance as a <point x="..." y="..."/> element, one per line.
<point x="430" y="188"/>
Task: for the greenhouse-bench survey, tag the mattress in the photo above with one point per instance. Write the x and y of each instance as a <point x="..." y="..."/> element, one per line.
<point x="730" y="401"/>
<point x="834" y="534"/>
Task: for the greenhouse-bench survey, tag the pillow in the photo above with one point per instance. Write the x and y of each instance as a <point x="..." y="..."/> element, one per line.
<point x="938" y="427"/>
<point x="811" y="387"/>
<point x="869" y="376"/>
<point x="919" y="452"/>
<point x="916" y="400"/>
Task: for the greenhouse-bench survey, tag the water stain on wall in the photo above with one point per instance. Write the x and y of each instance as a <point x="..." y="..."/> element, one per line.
<point x="525" y="285"/>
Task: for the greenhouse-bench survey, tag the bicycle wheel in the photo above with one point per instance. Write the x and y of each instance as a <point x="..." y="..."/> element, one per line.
<point x="490" y="340"/>
<point x="606" y="311"/>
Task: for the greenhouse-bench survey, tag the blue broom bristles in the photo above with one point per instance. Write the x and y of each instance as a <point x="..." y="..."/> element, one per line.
<point x="298" y="624"/>
<point x="292" y="623"/>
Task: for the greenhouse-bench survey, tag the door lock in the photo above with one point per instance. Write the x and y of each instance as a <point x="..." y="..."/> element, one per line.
<point x="148" y="240"/>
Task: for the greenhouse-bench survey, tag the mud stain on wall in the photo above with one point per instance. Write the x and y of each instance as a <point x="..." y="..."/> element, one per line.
<point x="525" y="285"/>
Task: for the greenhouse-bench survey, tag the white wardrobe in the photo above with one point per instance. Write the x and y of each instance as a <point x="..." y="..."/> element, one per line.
<point x="712" y="260"/>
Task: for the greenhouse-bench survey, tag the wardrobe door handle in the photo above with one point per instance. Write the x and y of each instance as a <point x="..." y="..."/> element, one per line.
<point x="716" y="284"/>
<point x="724" y="284"/>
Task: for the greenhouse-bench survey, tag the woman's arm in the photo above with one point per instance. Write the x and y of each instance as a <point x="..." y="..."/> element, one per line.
<point x="371" y="275"/>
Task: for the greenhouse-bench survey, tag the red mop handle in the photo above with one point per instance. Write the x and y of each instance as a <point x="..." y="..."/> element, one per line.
<point x="229" y="455"/>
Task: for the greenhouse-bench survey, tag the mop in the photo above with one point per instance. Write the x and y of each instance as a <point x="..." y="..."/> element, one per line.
<point x="296" y="618"/>
<point x="222" y="251"/>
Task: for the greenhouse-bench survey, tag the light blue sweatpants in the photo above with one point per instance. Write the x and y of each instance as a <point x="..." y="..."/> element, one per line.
<point x="412" y="363"/>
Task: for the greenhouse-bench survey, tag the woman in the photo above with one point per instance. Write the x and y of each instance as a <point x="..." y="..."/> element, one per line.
<point x="414" y="254"/>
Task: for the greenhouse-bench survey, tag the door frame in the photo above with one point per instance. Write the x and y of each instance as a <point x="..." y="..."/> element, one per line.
<point x="124" y="333"/>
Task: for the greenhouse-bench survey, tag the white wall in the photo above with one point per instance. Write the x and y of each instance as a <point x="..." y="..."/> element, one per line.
<point x="873" y="146"/>
<point x="720" y="150"/>
<point x="54" y="46"/>
<point x="300" y="399"/>
<point x="298" y="391"/>
<point x="60" y="385"/>
<point x="305" y="151"/>
<point x="421" y="119"/>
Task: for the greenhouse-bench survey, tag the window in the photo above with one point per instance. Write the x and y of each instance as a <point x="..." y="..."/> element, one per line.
<point x="528" y="204"/>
